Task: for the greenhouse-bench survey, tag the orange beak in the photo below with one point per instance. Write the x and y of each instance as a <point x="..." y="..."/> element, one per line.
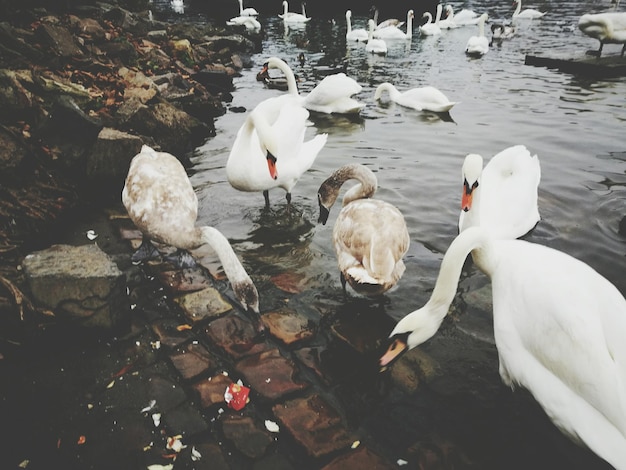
<point x="271" y="165"/>
<point x="466" y="197"/>
<point x="395" y="349"/>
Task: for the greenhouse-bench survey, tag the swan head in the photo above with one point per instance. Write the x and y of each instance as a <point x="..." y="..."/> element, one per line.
<point x="247" y="295"/>
<point x="472" y="169"/>
<point x="348" y="14"/>
<point x="414" y="329"/>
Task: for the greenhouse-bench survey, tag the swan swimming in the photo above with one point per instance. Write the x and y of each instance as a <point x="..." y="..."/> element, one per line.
<point x="270" y="151"/>
<point x="246" y="11"/>
<point x="333" y="94"/>
<point x="374" y="45"/>
<point x="425" y="98"/>
<point x="161" y="202"/>
<point x="526" y="14"/>
<point x="370" y="236"/>
<point x="478" y="46"/>
<point x="358" y="34"/>
<point x="292" y="17"/>
<point x="559" y="332"/>
<point x="394" y="32"/>
<point x="429" y="28"/>
<point x="608" y="28"/>
<point x="502" y="196"/>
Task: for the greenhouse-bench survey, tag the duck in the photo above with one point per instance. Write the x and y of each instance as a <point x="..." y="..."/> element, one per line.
<point x="246" y="11"/>
<point x="374" y="45"/>
<point x="394" y="32"/>
<point x="427" y="98"/>
<point x="527" y="13"/>
<point x="464" y="17"/>
<point x="370" y="236"/>
<point x="358" y="34"/>
<point x="250" y="22"/>
<point x="429" y="28"/>
<point x="607" y="28"/>
<point x="332" y="95"/>
<point x="292" y="17"/>
<point x="270" y="150"/>
<point x="162" y="203"/>
<point x="502" y="196"/>
<point x="558" y="328"/>
<point x="478" y="45"/>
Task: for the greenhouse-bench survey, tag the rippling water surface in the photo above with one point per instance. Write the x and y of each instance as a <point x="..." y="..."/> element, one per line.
<point x="575" y="125"/>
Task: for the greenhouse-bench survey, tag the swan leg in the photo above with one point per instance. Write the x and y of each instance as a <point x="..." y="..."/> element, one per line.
<point x="288" y="197"/>
<point x="343" y="282"/>
<point x="146" y="251"/>
<point x="181" y="259"/>
<point x="266" y="195"/>
<point x="598" y="52"/>
<point x="623" y="49"/>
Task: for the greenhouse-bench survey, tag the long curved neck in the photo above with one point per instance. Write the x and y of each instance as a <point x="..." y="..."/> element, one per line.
<point x="429" y="17"/>
<point x="281" y="65"/>
<point x="409" y="24"/>
<point x="518" y="8"/>
<point x="366" y="187"/>
<point x="285" y="8"/>
<point x="348" y="23"/>
<point x="439" y="10"/>
<point x="240" y="7"/>
<point x="481" y="26"/>
<point x="231" y="264"/>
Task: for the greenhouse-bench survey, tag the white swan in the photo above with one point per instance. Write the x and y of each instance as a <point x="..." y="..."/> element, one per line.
<point x="478" y="45"/>
<point x="608" y="28"/>
<point x="178" y="6"/>
<point x="527" y="13"/>
<point x="161" y="202"/>
<point x="358" y="34"/>
<point x="333" y="94"/>
<point x="375" y="45"/>
<point x="426" y="98"/>
<point x="501" y="31"/>
<point x="464" y="17"/>
<point x="448" y="22"/>
<point x="246" y="11"/>
<point x="429" y="28"/>
<point x="502" y="197"/>
<point x="250" y="22"/>
<point x="394" y="32"/>
<point x="386" y="23"/>
<point x="292" y="17"/>
<point x="559" y="331"/>
<point x="370" y="236"/>
<point x="270" y="151"/>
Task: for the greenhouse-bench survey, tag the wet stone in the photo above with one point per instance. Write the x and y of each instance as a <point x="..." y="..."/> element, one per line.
<point x="168" y="394"/>
<point x="361" y="458"/>
<point x="288" y="326"/>
<point x="273" y="462"/>
<point x="170" y="333"/>
<point x="192" y="360"/>
<point x="314" y="424"/>
<point x="203" y="305"/>
<point x="210" y="391"/>
<point x="290" y="282"/>
<point x="412" y="369"/>
<point x="211" y="457"/>
<point x="364" y="330"/>
<point x="237" y="336"/>
<point x="246" y="435"/>
<point x="270" y="374"/>
<point x="184" y="280"/>
<point x="310" y="357"/>
<point x="185" y="420"/>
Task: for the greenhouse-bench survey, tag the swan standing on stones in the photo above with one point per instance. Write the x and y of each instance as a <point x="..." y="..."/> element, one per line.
<point x="246" y="11"/>
<point x="292" y="17"/>
<point x="161" y="202"/>
<point x="394" y="32"/>
<point x="502" y="197"/>
<point x="333" y="94"/>
<point x="269" y="150"/>
<point x="375" y="45"/>
<point x="358" y="34"/>
<point x="608" y="28"/>
<point x="426" y="98"/>
<point x="429" y="28"/>
<point x="527" y="13"/>
<point x="559" y="330"/>
<point x="478" y="45"/>
<point x="370" y="236"/>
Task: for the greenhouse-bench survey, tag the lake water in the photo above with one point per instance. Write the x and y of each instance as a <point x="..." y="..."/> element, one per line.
<point x="576" y="126"/>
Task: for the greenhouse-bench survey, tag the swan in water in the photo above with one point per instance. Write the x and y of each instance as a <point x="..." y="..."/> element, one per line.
<point x="394" y="32"/>
<point x="429" y="28"/>
<point x="464" y="17"/>
<point x="502" y="197"/>
<point x="292" y="17"/>
<point x="270" y="151"/>
<point x="527" y="13"/>
<point x="425" y="98"/>
<point x="500" y="31"/>
<point x="375" y="45"/>
<point x="559" y="331"/>
<point x="478" y="45"/>
<point x="358" y="34"/>
<point x="448" y="22"/>
<point x="370" y="236"/>
<point x="333" y="94"/>
<point x="246" y="11"/>
<point x="608" y="28"/>
<point x="250" y="22"/>
<point x="161" y="202"/>
<point x="384" y="24"/>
